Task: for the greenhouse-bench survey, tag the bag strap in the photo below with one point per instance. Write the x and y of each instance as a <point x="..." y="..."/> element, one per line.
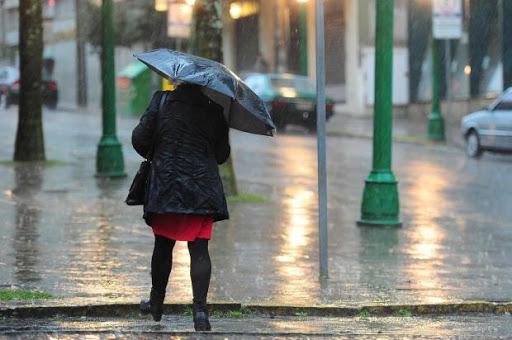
<point x="151" y="151"/>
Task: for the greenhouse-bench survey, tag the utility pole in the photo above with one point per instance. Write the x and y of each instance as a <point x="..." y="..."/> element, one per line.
<point x="380" y="206"/>
<point x="109" y="159"/>
<point x="81" y="64"/>
<point x="321" y="140"/>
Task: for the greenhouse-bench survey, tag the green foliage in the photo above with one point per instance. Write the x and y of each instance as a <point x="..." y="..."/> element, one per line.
<point x="187" y="311"/>
<point x="404" y="313"/>
<point x="301" y="314"/>
<point x="14" y="294"/>
<point x="364" y="313"/>
<point x="230" y="314"/>
<point x="247" y="198"/>
<point x="233" y="314"/>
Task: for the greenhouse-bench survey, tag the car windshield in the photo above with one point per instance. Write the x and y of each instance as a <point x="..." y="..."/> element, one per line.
<point x="301" y="84"/>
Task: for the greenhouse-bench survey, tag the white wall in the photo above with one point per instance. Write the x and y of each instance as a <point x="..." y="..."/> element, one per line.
<point x="400" y="75"/>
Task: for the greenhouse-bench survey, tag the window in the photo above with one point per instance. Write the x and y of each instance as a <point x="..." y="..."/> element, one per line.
<point x="504" y="106"/>
<point x="505" y="103"/>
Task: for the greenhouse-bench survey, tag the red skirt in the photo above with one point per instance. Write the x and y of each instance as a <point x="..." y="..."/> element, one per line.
<point x="181" y="227"/>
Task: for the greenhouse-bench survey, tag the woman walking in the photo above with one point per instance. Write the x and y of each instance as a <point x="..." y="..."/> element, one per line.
<point x="188" y="137"/>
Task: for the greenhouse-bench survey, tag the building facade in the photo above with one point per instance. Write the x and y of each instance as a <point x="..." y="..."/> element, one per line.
<point x="273" y="29"/>
<point x="279" y="36"/>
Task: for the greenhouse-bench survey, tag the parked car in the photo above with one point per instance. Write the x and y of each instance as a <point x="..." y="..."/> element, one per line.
<point x="10" y="88"/>
<point x="489" y="129"/>
<point x="291" y="99"/>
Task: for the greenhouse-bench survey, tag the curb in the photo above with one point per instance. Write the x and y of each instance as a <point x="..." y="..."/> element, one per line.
<point x="401" y="139"/>
<point x="128" y="309"/>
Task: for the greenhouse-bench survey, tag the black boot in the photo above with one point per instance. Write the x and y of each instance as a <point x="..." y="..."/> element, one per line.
<point x="155" y="305"/>
<point x="201" y="322"/>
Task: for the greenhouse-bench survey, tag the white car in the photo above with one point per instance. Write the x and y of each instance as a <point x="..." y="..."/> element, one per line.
<point x="489" y="129"/>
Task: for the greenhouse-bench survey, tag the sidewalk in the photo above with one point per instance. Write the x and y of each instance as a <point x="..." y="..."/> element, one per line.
<point x="66" y="232"/>
<point x="262" y="327"/>
<point x="404" y="130"/>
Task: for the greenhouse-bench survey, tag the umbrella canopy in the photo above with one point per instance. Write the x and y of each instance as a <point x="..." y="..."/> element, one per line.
<point x="243" y="109"/>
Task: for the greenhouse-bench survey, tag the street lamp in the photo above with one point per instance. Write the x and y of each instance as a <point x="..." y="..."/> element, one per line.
<point x="161" y="5"/>
<point x="243" y="8"/>
<point x="109" y="159"/>
<point x="380" y="206"/>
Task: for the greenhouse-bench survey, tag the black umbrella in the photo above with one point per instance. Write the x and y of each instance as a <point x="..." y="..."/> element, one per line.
<point x="243" y="109"/>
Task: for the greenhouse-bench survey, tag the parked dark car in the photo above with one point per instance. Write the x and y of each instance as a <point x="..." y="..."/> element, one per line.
<point x="10" y="88"/>
<point x="489" y="129"/>
<point x="291" y="99"/>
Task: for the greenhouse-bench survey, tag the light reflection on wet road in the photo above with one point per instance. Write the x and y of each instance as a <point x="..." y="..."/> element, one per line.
<point x="428" y="237"/>
<point x="66" y="232"/>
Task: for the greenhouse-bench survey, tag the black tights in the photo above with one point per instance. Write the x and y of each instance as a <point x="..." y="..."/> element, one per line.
<point x="200" y="266"/>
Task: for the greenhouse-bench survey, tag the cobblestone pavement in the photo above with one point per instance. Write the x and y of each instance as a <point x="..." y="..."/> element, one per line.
<point x="66" y="232"/>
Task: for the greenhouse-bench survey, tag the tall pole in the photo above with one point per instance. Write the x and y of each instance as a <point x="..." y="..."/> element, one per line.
<point x="109" y="159"/>
<point x="81" y="64"/>
<point x="3" y="44"/>
<point x="506" y="23"/>
<point x="448" y="73"/>
<point x="435" y="118"/>
<point x="380" y="206"/>
<point x="303" y="38"/>
<point x="320" y="111"/>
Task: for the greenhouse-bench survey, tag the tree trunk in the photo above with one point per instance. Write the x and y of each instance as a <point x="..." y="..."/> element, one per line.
<point x="81" y="61"/>
<point x="207" y="43"/>
<point x="29" y="136"/>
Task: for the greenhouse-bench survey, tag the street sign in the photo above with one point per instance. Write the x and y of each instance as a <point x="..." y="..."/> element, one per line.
<point x="447" y="19"/>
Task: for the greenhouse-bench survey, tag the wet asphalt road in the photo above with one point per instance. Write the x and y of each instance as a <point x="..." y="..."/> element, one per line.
<point x="66" y="232"/>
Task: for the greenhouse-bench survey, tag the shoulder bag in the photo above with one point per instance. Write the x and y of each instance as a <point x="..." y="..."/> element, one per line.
<point x="137" y="192"/>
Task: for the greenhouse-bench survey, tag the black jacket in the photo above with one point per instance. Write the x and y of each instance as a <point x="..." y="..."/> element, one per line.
<point x="192" y="138"/>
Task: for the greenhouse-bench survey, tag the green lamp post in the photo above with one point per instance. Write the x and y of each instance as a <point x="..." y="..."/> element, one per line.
<point x="380" y="206"/>
<point x="109" y="159"/>
<point x="435" y="119"/>
<point x="303" y="37"/>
